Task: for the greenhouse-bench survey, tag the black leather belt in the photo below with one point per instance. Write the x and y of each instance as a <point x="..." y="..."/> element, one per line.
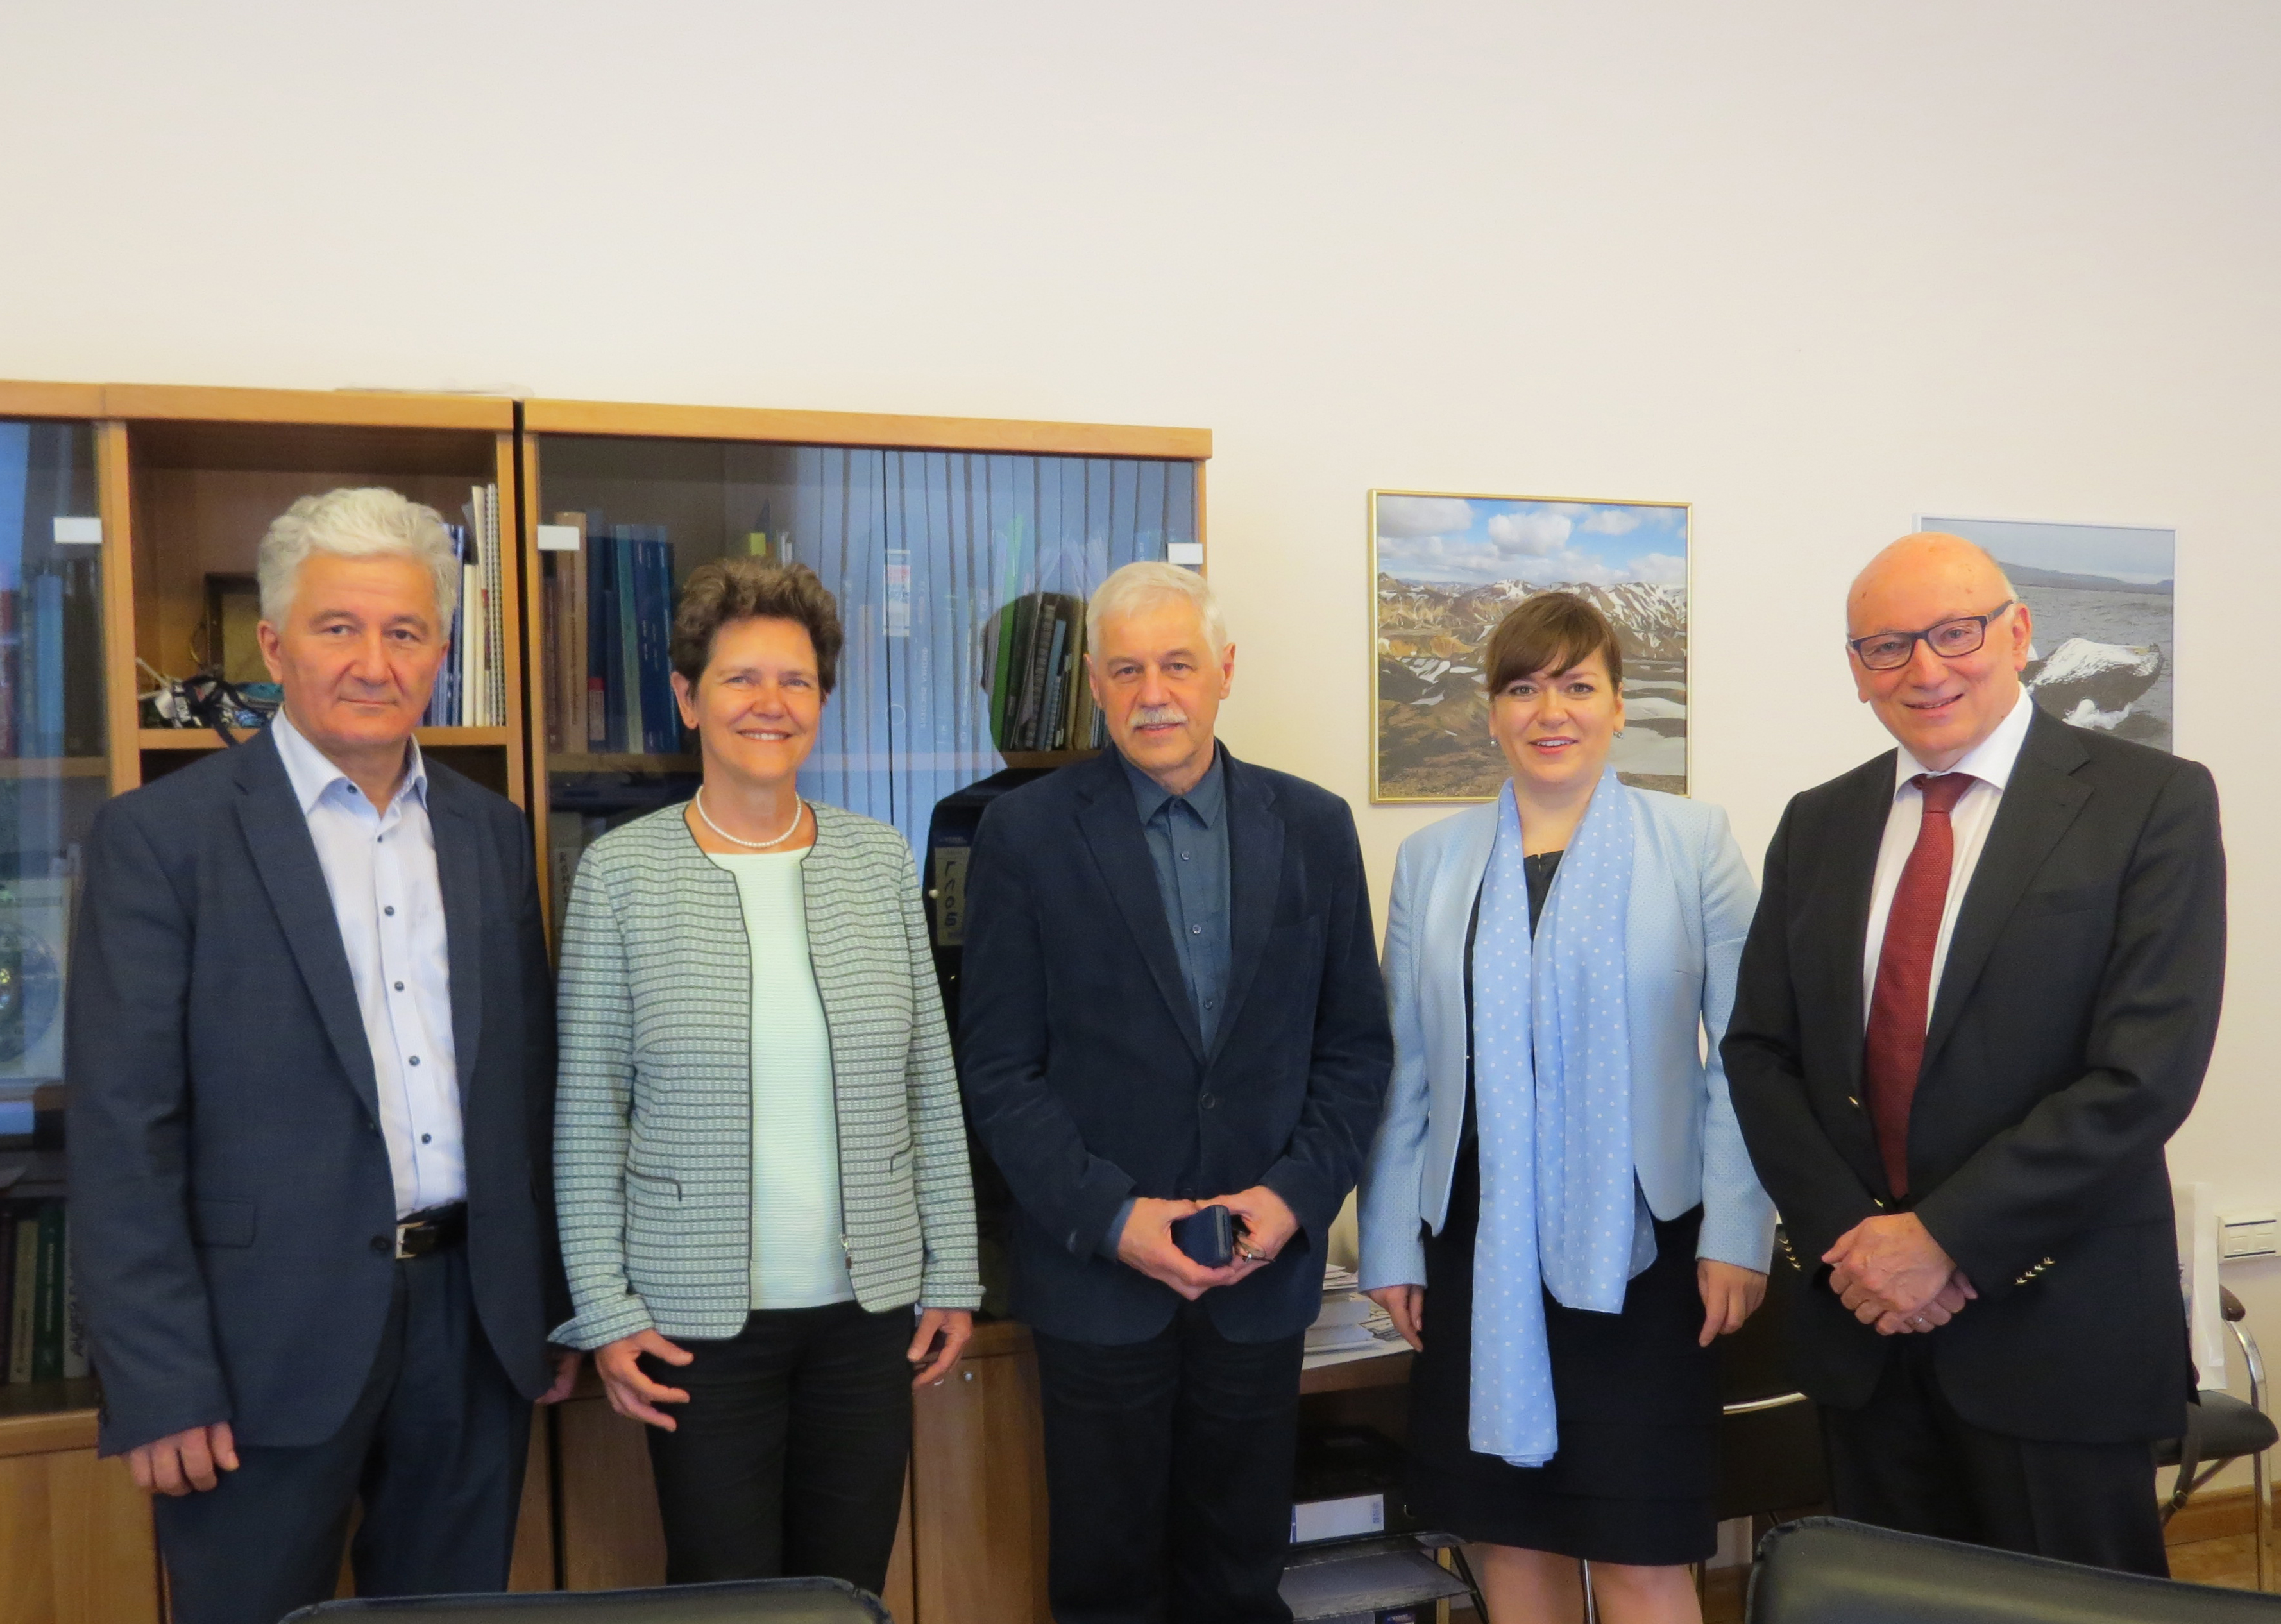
<point x="435" y="1230"/>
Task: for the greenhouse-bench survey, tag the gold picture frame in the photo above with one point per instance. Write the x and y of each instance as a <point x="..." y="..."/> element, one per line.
<point x="1445" y="566"/>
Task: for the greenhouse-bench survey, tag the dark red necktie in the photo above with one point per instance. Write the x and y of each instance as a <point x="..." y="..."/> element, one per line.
<point x="1893" y="1051"/>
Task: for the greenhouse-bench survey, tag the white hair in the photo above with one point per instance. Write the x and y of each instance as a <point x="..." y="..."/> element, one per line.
<point x="1143" y="585"/>
<point x="365" y="523"/>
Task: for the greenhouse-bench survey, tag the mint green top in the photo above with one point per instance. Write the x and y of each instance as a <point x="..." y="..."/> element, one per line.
<point x="800" y="1254"/>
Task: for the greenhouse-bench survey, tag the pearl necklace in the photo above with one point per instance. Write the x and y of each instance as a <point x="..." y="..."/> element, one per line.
<point x="797" y="806"/>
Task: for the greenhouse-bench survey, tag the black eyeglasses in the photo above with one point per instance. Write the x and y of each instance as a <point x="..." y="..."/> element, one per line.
<point x="1890" y="651"/>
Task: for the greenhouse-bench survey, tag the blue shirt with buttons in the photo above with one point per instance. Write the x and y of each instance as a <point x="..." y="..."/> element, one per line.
<point x="1188" y="842"/>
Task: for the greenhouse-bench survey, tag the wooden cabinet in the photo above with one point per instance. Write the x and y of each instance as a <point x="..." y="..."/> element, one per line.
<point x="978" y="1488"/>
<point x="75" y="1540"/>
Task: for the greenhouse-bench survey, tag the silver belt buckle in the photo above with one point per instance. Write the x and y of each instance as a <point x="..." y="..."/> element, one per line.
<point x="402" y="1255"/>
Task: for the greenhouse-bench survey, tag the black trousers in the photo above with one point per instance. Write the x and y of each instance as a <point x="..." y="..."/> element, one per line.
<point x="1906" y="1460"/>
<point x="434" y="1450"/>
<point x="1168" y="1467"/>
<point x="789" y="1456"/>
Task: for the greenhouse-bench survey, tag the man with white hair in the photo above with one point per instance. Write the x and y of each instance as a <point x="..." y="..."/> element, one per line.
<point x="1171" y="1002"/>
<point x="310" y="1071"/>
<point x="1978" y="997"/>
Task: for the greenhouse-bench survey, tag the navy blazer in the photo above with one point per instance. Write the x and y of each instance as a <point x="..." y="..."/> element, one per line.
<point x="1084" y="1072"/>
<point x="232" y="1211"/>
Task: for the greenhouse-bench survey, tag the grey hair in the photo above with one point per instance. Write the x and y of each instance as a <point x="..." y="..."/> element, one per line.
<point x="355" y="523"/>
<point x="1142" y="586"/>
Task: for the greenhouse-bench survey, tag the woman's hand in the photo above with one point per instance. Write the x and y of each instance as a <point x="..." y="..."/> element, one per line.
<point x="1406" y="1305"/>
<point x="633" y="1395"/>
<point x="940" y="1338"/>
<point x="1730" y="1295"/>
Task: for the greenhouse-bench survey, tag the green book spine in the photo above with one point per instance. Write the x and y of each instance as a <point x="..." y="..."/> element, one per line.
<point x="7" y="1285"/>
<point x="1014" y="641"/>
<point x="26" y="1271"/>
<point x="48" y="1306"/>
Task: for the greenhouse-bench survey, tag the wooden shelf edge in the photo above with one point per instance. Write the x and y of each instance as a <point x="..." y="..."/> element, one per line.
<point x="333" y="408"/>
<point x="41" y="1417"/>
<point x="55" y="767"/>
<point x="866" y="428"/>
<point x="1046" y="758"/>
<point x="431" y="737"/>
<point x="623" y="761"/>
<point x="20" y="399"/>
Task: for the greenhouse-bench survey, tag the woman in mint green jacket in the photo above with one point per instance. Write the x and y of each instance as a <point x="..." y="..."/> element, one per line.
<point x="760" y="1159"/>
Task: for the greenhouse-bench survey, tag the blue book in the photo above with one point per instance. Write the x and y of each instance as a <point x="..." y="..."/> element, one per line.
<point x="657" y="663"/>
<point x="632" y="730"/>
<point x="649" y="608"/>
<point x="607" y="665"/>
<point x="48" y="681"/>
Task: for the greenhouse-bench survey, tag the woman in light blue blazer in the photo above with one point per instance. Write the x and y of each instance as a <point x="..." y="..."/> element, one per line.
<point x="1558" y="1211"/>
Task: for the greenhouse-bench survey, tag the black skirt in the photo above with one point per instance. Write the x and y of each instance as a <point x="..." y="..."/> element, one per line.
<point x="1637" y="1404"/>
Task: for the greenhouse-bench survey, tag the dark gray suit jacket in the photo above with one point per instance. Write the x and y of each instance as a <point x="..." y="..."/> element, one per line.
<point x="2070" y="1032"/>
<point x="232" y="1212"/>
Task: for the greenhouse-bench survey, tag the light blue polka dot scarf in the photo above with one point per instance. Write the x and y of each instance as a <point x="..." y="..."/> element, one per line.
<point x="1552" y="1081"/>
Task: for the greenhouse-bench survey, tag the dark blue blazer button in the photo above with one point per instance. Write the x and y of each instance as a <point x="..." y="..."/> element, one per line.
<point x="382" y="1243"/>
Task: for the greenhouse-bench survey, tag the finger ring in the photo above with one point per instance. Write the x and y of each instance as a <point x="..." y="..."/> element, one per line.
<point x="1917" y="1319"/>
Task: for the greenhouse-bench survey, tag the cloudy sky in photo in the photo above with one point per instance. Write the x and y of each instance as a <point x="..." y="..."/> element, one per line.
<point x="1545" y="544"/>
<point x="2120" y="552"/>
<point x="1473" y="539"/>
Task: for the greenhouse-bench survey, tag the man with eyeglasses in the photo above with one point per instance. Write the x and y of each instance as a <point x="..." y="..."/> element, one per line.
<point x="1978" y="997"/>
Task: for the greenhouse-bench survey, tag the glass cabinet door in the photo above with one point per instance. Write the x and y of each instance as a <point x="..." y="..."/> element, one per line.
<point x="52" y="747"/>
<point x="960" y="579"/>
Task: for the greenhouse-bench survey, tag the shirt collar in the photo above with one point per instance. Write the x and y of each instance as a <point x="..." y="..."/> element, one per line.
<point x="313" y="773"/>
<point x="1206" y="799"/>
<point x="1991" y="760"/>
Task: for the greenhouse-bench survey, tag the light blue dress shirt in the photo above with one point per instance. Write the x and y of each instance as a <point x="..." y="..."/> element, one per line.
<point x="380" y="867"/>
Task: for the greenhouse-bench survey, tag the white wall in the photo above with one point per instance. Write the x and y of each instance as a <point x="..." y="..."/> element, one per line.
<point x="1813" y="268"/>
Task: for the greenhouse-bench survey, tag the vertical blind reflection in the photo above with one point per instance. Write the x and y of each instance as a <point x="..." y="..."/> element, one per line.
<point x="922" y="549"/>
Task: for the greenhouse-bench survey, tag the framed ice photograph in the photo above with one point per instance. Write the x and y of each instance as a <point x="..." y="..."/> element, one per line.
<point x="1445" y="570"/>
<point x="2101" y="597"/>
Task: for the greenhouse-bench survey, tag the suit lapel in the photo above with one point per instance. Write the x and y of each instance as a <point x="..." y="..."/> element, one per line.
<point x="2039" y="805"/>
<point x="458" y="870"/>
<point x="1112" y="826"/>
<point x="1852" y="876"/>
<point x="277" y="835"/>
<point x="1255" y="863"/>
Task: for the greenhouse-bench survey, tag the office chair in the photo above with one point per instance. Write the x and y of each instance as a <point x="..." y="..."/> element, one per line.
<point x="738" y="1601"/>
<point x="2220" y="1430"/>
<point x="1827" y="1571"/>
<point x="1769" y="1434"/>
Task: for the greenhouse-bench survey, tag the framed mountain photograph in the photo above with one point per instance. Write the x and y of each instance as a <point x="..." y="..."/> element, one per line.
<point x="2101" y="595"/>
<point x="1445" y="570"/>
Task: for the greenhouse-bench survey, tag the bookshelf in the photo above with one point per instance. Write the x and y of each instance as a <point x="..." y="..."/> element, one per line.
<point x="204" y="471"/>
<point x="930" y="531"/>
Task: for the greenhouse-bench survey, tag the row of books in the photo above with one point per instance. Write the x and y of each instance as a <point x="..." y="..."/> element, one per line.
<point x="608" y="615"/>
<point x="471" y="689"/>
<point x="50" y="658"/>
<point x="39" y="1312"/>
<point x="1034" y="649"/>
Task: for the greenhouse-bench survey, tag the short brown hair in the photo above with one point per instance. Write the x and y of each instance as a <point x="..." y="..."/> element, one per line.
<point x="735" y="589"/>
<point x="1550" y="631"/>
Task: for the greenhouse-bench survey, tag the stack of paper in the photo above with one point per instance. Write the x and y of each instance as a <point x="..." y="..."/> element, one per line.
<point x="1347" y="1320"/>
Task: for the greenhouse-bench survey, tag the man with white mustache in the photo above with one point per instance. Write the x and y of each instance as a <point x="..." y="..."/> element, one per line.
<point x="1171" y="1003"/>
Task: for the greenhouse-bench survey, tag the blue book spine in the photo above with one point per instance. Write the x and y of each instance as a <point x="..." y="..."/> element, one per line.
<point x="633" y="732"/>
<point x="661" y="670"/>
<point x="613" y="665"/>
<point x="649" y="607"/>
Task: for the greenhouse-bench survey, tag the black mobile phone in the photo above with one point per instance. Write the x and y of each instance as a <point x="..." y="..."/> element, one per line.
<point x="1208" y="1236"/>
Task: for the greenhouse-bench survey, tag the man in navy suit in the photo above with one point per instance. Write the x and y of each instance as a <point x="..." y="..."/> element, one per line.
<point x="1171" y="1000"/>
<point x="312" y="1065"/>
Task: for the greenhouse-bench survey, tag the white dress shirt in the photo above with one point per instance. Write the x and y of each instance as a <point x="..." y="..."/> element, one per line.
<point x="1991" y="762"/>
<point x="380" y="867"/>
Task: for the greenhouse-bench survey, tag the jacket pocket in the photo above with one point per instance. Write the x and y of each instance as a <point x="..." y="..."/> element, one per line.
<point x="222" y="1220"/>
<point x="653" y="1187"/>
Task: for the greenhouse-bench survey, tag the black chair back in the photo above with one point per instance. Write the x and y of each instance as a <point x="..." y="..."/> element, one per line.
<point x="743" y="1601"/>
<point x="1825" y="1571"/>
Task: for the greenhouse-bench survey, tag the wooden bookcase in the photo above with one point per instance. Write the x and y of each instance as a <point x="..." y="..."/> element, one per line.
<point x="186" y="479"/>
